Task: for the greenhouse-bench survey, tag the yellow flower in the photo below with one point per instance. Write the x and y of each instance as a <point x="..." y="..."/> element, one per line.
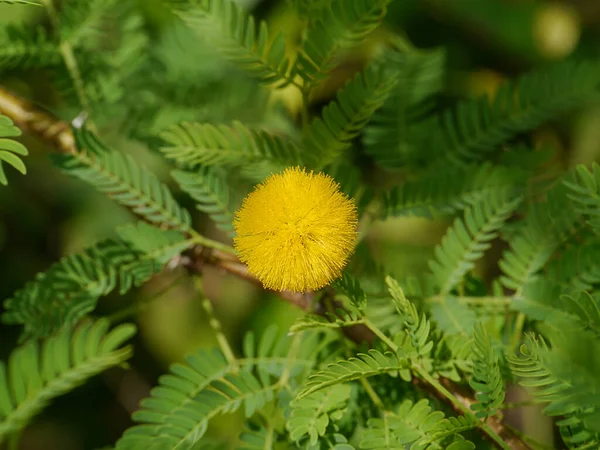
<point x="296" y="230"/>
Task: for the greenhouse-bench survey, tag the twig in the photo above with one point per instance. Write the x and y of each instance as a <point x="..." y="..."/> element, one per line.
<point x="57" y="133"/>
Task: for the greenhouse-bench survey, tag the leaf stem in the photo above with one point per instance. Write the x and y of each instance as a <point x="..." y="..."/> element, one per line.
<point x="215" y="324"/>
<point x="435" y="384"/>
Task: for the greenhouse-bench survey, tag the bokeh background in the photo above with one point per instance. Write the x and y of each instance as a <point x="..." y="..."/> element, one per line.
<point x="46" y="215"/>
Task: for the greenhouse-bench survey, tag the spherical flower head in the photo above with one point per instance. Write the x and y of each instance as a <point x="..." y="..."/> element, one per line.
<point x="296" y="231"/>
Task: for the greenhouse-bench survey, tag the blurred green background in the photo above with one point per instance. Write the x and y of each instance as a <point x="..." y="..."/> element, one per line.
<point x="46" y="215"/>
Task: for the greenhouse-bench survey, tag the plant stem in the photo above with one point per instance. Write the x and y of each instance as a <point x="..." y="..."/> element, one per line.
<point x="137" y="307"/>
<point x="15" y="440"/>
<point x="425" y="376"/>
<point x="518" y="331"/>
<point x="372" y="394"/>
<point x="215" y="324"/>
<point x="69" y="58"/>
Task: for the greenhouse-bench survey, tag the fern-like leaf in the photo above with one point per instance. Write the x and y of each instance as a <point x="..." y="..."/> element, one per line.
<point x="477" y="127"/>
<point x="71" y="288"/>
<point x="453" y="317"/>
<point x="9" y="148"/>
<point x="120" y="177"/>
<point x="212" y="194"/>
<point x="261" y="439"/>
<point x="226" y="26"/>
<point x="415" y="426"/>
<point x="192" y="144"/>
<point x="311" y="414"/>
<point x="416" y="328"/>
<point x="487" y="380"/>
<point x="566" y="377"/>
<point x="585" y="192"/>
<point x="348" y="285"/>
<point x="37" y="374"/>
<point x="537" y="237"/>
<point x="27" y="47"/>
<point x="388" y="136"/>
<point x="577" y="267"/>
<point x="177" y="412"/>
<point x="468" y="238"/>
<point x="341" y="24"/>
<point x="343" y="118"/>
<point x="445" y="193"/>
<point x="363" y="366"/>
<point x="341" y="318"/>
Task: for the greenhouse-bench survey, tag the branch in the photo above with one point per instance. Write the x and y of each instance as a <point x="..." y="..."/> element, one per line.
<point x="32" y="119"/>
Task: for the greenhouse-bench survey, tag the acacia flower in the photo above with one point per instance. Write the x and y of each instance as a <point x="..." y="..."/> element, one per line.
<point x="296" y="230"/>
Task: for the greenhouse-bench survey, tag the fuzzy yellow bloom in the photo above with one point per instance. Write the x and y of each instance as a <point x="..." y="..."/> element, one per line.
<point x="296" y="230"/>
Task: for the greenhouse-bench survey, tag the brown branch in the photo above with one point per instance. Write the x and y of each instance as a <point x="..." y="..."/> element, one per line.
<point x="32" y="119"/>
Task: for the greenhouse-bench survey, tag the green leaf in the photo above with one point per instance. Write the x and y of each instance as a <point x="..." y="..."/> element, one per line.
<point x="350" y="287"/>
<point x="120" y="177"/>
<point x="340" y="24"/>
<point x="444" y="193"/>
<point x="9" y="148"/>
<point x="475" y="128"/>
<point x="487" y="380"/>
<point x="27" y="47"/>
<point x="193" y="144"/>
<point x="416" y="328"/>
<point x="311" y="413"/>
<point x="585" y="192"/>
<point x="453" y="317"/>
<point x="388" y="137"/>
<point x="468" y="238"/>
<point x="343" y="118"/>
<point x="415" y="426"/>
<point x="37" y="374"/>
<point x="70" y="288"/>
<point x="536" y="238"/>
<point x="227" y="27"/>
<point x="212" y="193"/>
<point x="363" y="366"/>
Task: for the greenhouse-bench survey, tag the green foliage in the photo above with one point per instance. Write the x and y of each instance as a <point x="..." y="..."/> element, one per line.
<point x="453" y="317"/>
<point x="225" y="25"/>
<point x="468" y="238"/>
<point x="577" y="267"/>
<point x="546" y="226"/>
<point x="70" y="288"/>
<point x="81" y="19"/>
<point x="363" y="366"/>
<point x="192" y="144"/>
<point x="350" y="287"/>
<point x="415" y="426"/>
<point x="477" y="127"/>
<point x="177" y="413"/>
<point x="212" y="193"/>
<point x="311" y="413"/>
<point x="451" y="191"/>
<point x="565" y="376"/>
<point x="9" y="148"/>
<point x="122" y="179"/>
<point x="342" y="119"/>
<point x="585" y="192"/>
<point x="230" y="97"/>
<point x="340" y="24"/>
<point x="36" y="374"/>
<point x="391" y="137"/>
<point x="22" y="47"/>
<point x="487" y="380"/>
<point x="416" y="327"/>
